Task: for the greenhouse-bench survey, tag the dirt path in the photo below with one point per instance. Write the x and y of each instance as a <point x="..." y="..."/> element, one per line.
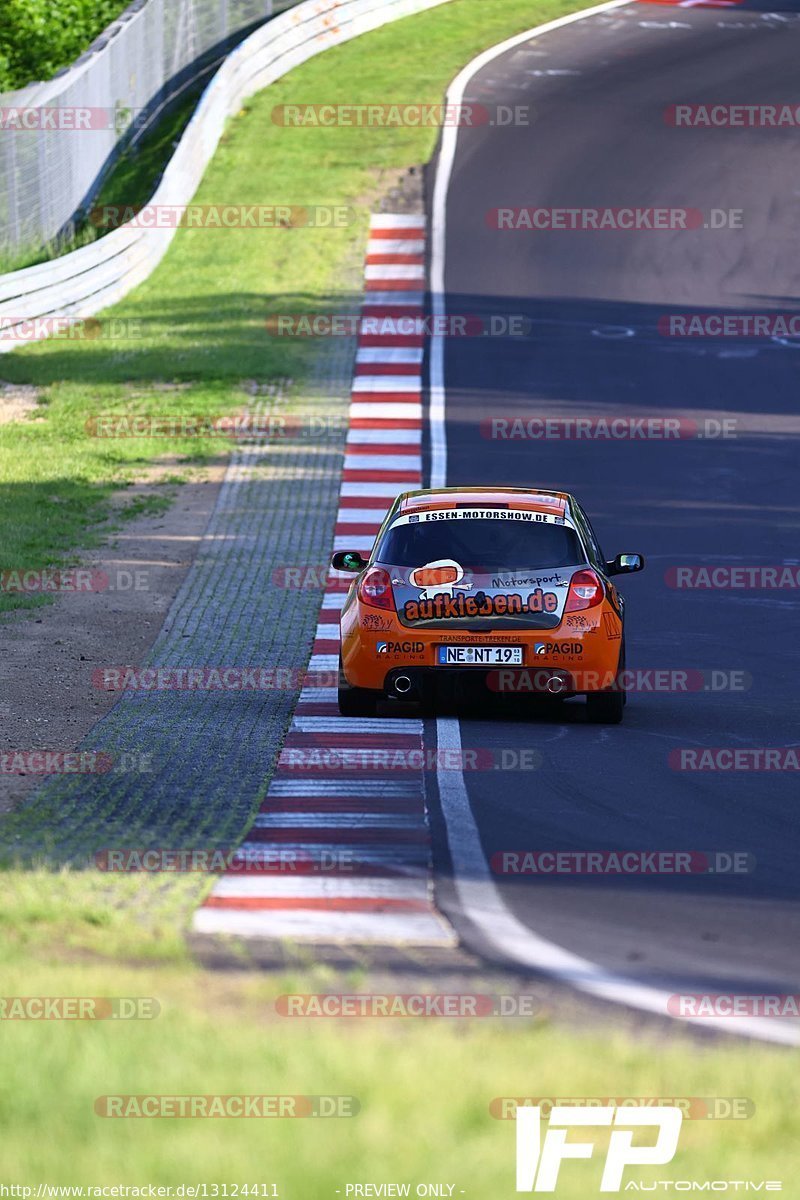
<point x="47" y="655"/>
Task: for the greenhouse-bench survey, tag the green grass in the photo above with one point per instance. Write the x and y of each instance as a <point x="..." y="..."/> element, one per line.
<point x="17" y="258"/>
<point x="124" y="917"/>
<point x="200" y="318"/>
<point x="424" y="1087"/>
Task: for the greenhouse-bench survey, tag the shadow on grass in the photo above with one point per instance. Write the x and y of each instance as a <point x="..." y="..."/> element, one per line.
<point x="204" y="338"/>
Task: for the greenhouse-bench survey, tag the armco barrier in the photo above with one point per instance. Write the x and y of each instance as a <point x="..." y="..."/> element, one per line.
<point x="88" y="280"/>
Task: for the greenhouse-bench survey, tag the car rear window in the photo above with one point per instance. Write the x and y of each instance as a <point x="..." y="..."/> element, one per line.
<point x="481" y="544"/>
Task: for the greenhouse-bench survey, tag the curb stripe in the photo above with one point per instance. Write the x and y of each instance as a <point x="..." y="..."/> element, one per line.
<point x="412" y="929"/>
<point x="392" y="405"/>
<point x="395" y="260"/>
<point x="380" y="385"/>
<point x="371" y="432"/>
<point x="327" y="903"/>
<point x="340" y="849"/>
<point x="390" y="367"/>
<point x="375" y="299"/>
<point x="413" y="244"/>
<point x="388" y="888"/>
<point x="380" y="223"/>
<point x="389" y="354"/>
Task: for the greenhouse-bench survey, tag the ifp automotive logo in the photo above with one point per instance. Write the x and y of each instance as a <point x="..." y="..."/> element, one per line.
<point x="538" y="1162"/>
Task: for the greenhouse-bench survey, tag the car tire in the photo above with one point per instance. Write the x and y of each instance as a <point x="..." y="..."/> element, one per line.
<point x="607" y="707"/>
<point x="355" y="701"/>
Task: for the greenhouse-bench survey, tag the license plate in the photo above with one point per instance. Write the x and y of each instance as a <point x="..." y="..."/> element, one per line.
<point x="480" y="656"/>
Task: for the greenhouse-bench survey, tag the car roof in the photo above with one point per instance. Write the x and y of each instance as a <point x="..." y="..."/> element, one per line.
<point x="539" y="499"/>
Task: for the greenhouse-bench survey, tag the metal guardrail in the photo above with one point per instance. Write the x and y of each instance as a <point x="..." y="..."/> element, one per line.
<point x="90" y="279"/>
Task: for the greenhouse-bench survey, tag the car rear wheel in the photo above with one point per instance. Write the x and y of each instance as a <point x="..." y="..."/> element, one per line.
<point x="354" y="701"/>
<point x="607" y="707"/>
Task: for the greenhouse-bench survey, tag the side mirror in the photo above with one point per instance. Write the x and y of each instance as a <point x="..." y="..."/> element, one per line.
<point x="348" y="560"/>
<point x="625" y="564"/>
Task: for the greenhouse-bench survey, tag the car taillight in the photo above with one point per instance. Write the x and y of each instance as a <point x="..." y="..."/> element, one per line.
<point x="585" y="590"/>
<point x="375" y="588"/>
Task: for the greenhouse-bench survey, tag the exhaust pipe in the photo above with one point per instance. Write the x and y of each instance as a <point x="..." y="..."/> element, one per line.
<point x="403" y="685"/>
<point x="555" y="685"/>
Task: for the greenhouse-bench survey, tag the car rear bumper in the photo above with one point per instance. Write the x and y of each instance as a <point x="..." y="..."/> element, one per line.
<point x="425" y="683"/>
<point x="571" y="660"/>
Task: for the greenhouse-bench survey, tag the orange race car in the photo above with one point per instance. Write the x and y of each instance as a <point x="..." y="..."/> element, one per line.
<point x="502" y="587"/>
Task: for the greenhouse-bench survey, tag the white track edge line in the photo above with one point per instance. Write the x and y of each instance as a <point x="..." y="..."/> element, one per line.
<point x="485" y="908"/>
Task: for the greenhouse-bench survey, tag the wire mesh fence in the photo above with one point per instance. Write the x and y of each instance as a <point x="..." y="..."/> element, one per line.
<point x="59" y="139"/>
<point x="90" y="279"/>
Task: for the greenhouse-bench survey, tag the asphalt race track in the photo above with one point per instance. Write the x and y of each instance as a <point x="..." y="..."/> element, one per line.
<point x="599" y="89"/>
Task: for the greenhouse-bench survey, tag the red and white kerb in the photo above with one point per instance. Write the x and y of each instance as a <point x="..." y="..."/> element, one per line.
<point x="346" y="849"/>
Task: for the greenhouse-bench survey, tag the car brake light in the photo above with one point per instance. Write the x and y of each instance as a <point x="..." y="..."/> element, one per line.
<point x="585" y="590"/>
<point x="375" y="588"/>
